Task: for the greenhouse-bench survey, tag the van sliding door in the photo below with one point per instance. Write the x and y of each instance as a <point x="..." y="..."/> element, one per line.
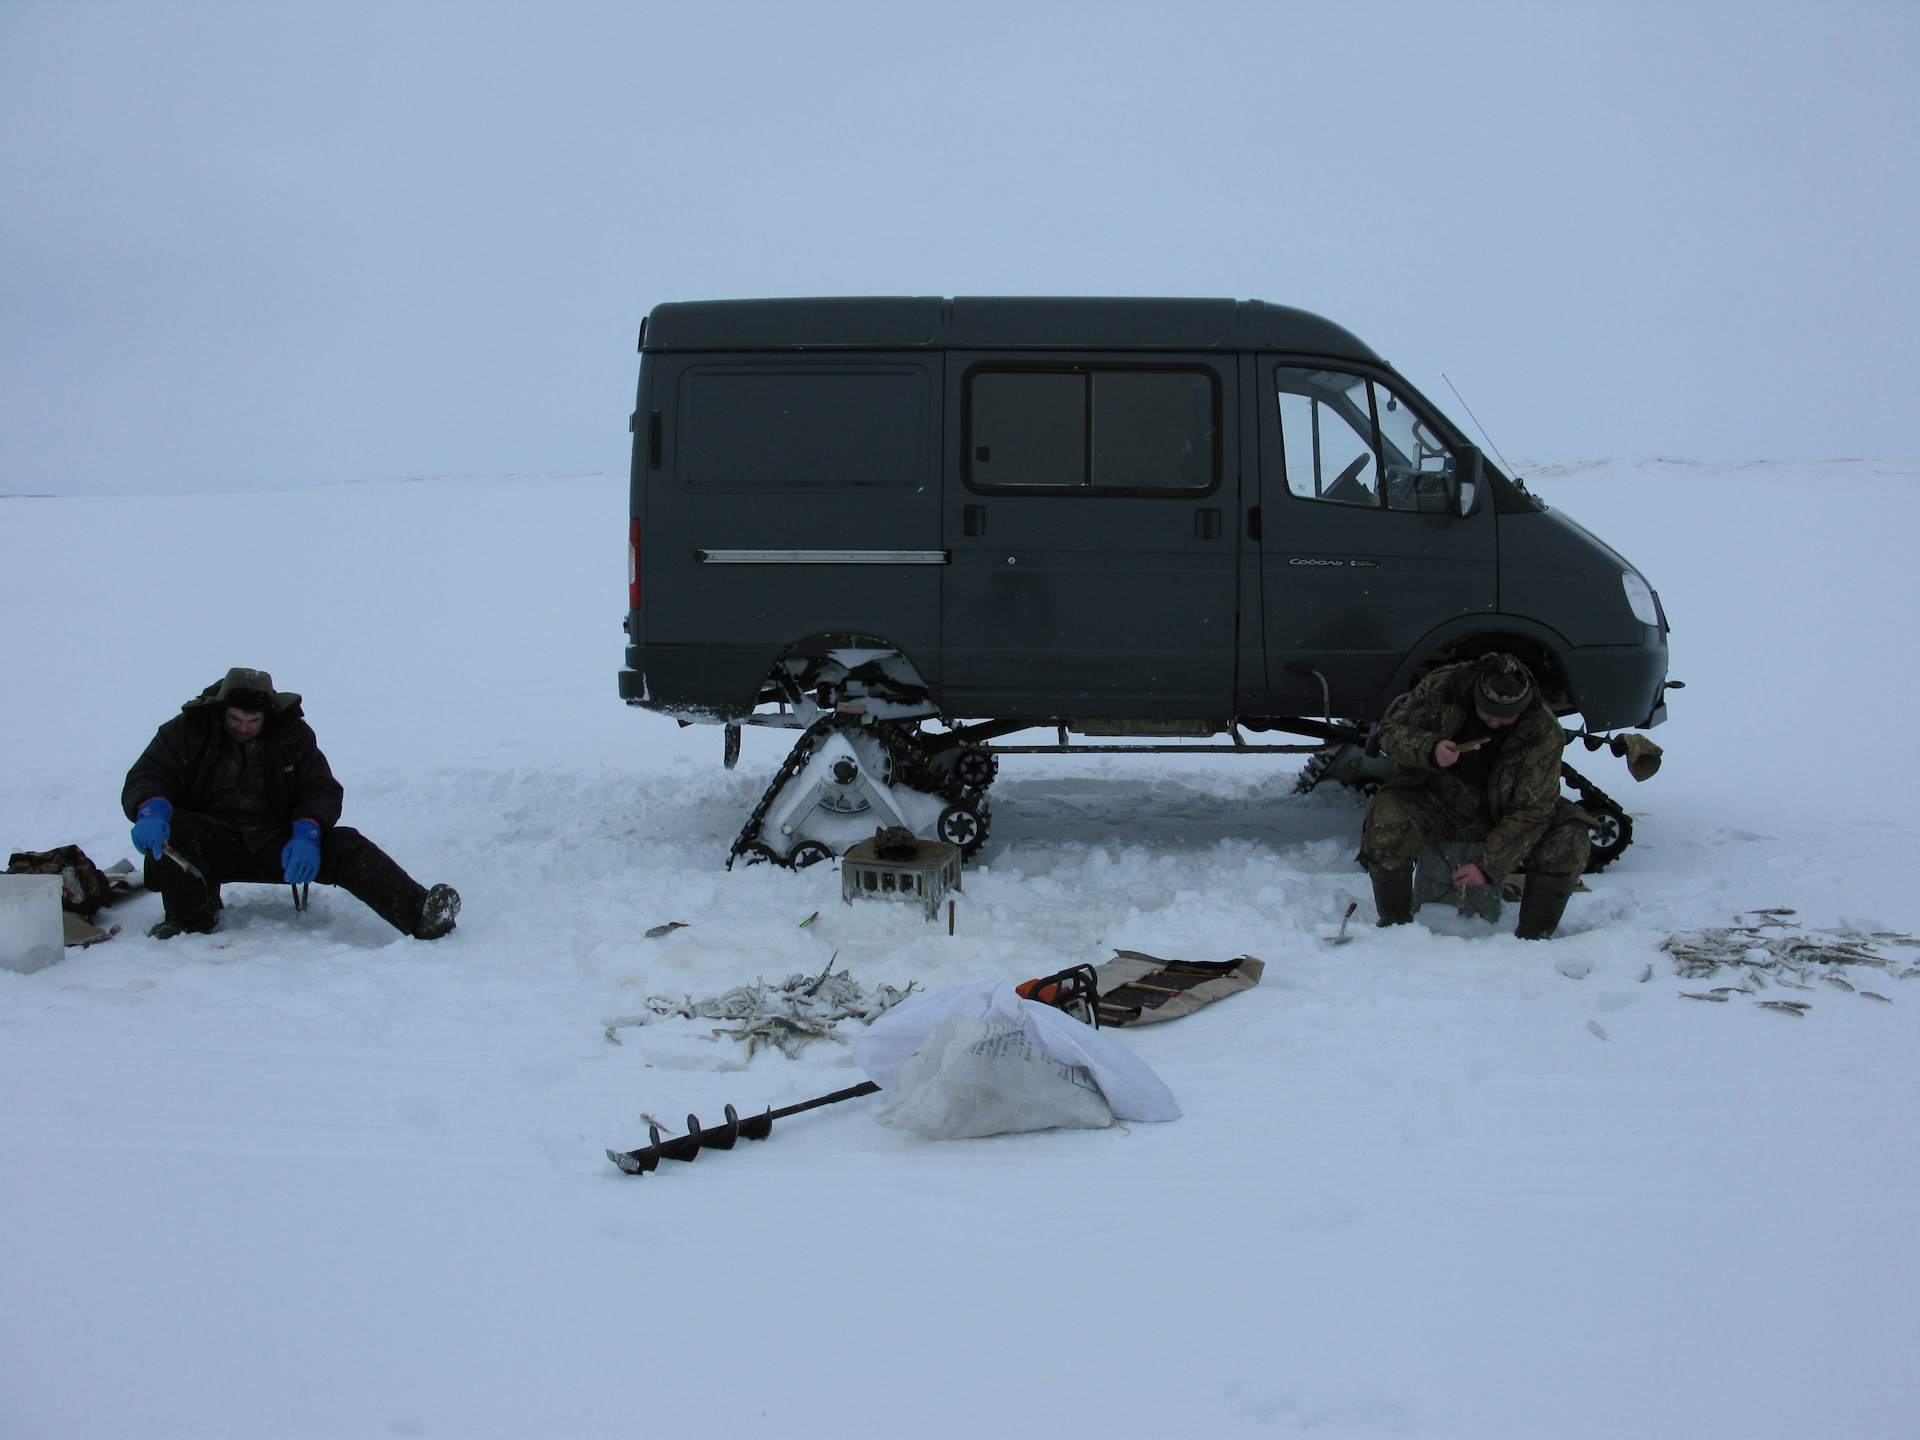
<point x="1090" y="511"/>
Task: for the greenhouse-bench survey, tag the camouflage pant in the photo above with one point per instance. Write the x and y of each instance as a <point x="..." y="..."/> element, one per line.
<point x="1401" y="820"/>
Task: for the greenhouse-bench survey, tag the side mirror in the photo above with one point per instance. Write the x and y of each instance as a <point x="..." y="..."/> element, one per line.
<point x="1467" y="482"/>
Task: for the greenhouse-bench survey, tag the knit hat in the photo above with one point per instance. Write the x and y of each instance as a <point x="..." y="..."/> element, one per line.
<point x="1503" y="687"/>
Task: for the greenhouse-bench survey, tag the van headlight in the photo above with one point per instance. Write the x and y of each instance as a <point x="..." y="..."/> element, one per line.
<point x="1639" y="598"/>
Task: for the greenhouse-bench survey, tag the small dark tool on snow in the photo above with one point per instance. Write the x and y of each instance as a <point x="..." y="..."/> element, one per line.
<point x="299" y="897"/>
<point x="1342" y="938"/>
<point x="721" y="1137"/>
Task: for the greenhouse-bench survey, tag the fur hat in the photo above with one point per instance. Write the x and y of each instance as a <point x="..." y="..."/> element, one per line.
<point x="250" y="690"/>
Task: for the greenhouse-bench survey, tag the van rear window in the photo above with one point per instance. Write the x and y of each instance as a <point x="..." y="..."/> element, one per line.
<point x="809" y="427"/>
<point x="1092" y="429"/>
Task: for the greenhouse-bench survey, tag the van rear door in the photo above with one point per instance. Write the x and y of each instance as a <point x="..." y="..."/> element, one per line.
<point x="1361" y="553"/>
<point x="795" y="496"/>
<point x="1089" y="509"/>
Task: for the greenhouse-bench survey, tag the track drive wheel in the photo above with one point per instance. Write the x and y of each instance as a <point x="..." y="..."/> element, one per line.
<point x="760" y="853"/>
<point x="976" y="768"/>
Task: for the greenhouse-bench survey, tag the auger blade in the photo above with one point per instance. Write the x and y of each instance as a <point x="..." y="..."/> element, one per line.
<point x="721" y="1137"/>
<point x="684" y="1147"/>
<point x="638" y="1162"/>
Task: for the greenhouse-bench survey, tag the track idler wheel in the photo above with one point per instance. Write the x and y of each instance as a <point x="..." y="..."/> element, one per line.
<point x="808" y="852"/>
<point x="1612" y="833"/>
<point x="964" y="825"/>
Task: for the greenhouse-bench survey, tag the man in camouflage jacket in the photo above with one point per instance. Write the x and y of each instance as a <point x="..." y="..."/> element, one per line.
<point x="1479" y="756"/>
<point x="234" y="787"/>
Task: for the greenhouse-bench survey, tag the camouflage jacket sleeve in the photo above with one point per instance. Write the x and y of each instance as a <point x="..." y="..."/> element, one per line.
<point x="1522" y="791"/>
<point x="1421" y="719"/>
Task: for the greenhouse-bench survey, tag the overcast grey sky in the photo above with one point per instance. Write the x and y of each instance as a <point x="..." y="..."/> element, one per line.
<point x="255" y="246"/>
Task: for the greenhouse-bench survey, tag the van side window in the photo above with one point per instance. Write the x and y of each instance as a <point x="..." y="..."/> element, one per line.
<point x="773" y="427"/>
<point x="1326" y="434"/>
<point x="1113" y="430"/>
<point x="1029" y="428"/>
<point x="1341" y="434"/>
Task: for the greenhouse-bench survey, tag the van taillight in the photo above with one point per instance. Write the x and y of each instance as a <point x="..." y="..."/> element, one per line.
<point x="633" y="565"/>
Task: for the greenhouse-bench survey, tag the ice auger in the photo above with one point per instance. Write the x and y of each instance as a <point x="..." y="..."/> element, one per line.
<point x="721" y="1137"/>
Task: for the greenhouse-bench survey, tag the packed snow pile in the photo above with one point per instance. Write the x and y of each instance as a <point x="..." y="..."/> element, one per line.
<point x="786" y="1017"/>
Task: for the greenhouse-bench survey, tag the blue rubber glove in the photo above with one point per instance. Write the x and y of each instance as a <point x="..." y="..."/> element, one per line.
<point x="301" y="857"/>
<point x="150" y="827"/>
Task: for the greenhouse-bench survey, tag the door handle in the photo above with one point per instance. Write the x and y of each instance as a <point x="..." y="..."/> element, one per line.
<point x="1206" y="524"/>
<point x="973" y="520"/>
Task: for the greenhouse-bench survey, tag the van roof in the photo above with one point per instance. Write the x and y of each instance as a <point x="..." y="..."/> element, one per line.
<point x="995" y="323"/>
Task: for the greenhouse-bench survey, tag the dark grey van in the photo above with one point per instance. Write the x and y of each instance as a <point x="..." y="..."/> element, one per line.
<point x="907" y="528"/>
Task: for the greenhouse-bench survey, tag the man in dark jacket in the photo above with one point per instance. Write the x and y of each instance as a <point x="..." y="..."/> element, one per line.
<point x="234" y="787"/>
<point x="1479" y="755"/>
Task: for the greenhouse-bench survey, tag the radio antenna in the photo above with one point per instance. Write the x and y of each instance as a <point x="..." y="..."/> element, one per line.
<point x="1476" y="420"/>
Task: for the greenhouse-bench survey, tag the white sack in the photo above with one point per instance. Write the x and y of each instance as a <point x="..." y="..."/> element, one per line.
<point x="1131" y="1088"/>
<point x="973" y="1077"/>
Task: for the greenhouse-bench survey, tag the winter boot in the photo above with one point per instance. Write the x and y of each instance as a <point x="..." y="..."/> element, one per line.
<point x="191" y="906"/>
<point x="1542" y="904"/>
<point x="1393" y="896"/>
<point x="437" y="912"/>
<point x="167" y="929"/>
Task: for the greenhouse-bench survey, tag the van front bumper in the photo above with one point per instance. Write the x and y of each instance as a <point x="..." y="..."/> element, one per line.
<point x="1620" y="687"/>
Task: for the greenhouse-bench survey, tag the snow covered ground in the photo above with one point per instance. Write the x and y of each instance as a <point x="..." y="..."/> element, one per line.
<point x="302" y="1178"/>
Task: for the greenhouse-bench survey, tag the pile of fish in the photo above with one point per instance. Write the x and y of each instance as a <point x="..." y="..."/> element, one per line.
<point x="786" y="1017"/>
<point x="1763" y="950"/>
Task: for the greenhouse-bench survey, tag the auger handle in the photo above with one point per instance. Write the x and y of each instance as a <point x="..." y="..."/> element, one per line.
<point x="852" y="1092"/>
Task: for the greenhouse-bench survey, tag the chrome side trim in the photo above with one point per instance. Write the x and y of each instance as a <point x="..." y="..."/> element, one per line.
<point x="821" y="557"/>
